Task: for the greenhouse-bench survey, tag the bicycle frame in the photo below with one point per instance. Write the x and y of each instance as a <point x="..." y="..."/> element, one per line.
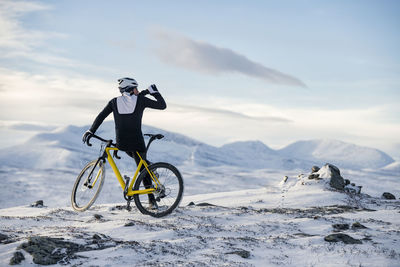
<point x="121" y="181"/>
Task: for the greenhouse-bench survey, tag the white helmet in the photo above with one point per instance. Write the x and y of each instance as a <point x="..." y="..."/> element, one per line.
<point x="126" y="84"/>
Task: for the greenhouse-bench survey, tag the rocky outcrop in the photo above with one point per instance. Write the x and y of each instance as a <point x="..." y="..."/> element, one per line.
<point x="17" y="258"/>
<point x="388" y="195"/>
<point x="342" y="238"/>
<point x="38" y="204"/>
<point x="3" y="237"/>
<point x="242" y="253"/>
<point x="48" y="250"/>
<point x="336" y="181"/>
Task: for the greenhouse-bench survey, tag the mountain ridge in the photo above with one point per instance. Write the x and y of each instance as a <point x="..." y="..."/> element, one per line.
<point x="63" y="147"/>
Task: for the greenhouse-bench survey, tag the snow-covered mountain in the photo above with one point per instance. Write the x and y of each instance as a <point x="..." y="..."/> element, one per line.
<point x="338" y="153"/>
<point x="62" y="148"/>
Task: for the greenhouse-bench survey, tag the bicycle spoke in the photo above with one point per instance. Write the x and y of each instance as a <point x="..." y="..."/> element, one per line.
<point x="86" y="189"/>
<point x="168" y="193"/>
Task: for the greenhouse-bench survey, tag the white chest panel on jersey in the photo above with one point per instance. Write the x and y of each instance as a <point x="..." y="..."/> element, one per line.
<point x="126" y="103"/>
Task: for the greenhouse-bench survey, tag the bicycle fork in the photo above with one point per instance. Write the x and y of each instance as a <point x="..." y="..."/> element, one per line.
<point x="88" y="183"/>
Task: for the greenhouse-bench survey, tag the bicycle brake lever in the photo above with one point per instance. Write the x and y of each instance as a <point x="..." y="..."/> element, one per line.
<point x="87" y="141"/>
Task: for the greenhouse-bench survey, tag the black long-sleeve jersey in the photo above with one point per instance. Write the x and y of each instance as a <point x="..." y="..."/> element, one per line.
<point x="128" y="112"/>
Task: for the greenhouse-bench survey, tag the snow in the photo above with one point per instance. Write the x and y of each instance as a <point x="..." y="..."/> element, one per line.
<point x="247" y="196"/>
<point x="338" y="153"/>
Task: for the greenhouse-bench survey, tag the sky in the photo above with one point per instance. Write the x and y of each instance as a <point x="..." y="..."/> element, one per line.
<point x="274" y="71"/>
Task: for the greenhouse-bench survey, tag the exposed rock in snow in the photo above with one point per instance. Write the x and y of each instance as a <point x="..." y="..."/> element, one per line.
<point x="48" y="250"/>
<point x="342" y="238"/>
<point x="388" y="195"/>
<point x="332" y="173"/>
<point x="315" y="169"/>
<point x="17" y="258"/>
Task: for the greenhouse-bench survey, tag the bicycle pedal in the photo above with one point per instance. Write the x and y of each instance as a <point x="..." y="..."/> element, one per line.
<point x="128" y="206"/>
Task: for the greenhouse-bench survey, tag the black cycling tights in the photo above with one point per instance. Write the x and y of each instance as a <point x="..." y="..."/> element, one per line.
<point x="147" y="179"/>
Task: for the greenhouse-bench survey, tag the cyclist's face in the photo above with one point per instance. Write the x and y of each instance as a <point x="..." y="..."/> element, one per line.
<point x="135" y="91"/>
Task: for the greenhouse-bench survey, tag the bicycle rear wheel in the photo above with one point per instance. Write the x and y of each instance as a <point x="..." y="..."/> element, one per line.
<point x="88" y="185"/>
<point x="168" y="193"/>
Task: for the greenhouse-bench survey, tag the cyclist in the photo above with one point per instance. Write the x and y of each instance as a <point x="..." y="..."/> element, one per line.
<point x="128" y="112"/>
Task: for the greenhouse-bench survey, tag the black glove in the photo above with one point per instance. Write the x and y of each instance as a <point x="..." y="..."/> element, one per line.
<point x="144" y="92"/>
<point x="153" y="89"/>
<point x="86" y="136"/>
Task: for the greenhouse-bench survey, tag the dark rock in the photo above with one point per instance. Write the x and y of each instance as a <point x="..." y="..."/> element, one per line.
<point x="342" y="238"/>
<point x="129" y="224"/>
<point x="98" y="216"/>
<point x="191" y="203"/>
<point x="242" y="253"/>
<point x="204" y="204"/>
<point x="314" y="176"/>
<point x="3" y="237"/>
<point x="388" y="195"/>
<point x="38" y="204"/>
<point x="336" y="181"/>
<point x="353" y="184"/>
<point x="358" y="225"/>
<point x="353" y="189"/>
<point x="314" y="168"/>
<point x="119" y="207"/>
<point x="346" y="181"/>
<point x="96" y="237"/>
<point x="48" y="250"/>
<point x="341" y="226"/>
<point x="17" y="258"/>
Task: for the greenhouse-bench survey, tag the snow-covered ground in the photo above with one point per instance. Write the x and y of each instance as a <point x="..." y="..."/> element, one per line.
<point x="244" y="214"/>
<point x="283" y="225"/>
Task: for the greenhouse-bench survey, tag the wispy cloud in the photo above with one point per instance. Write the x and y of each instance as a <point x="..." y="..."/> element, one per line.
<point x="228" y="114"/>
<point x="52" y="97"/>
<point x="203" y="57"/>
<point x="22" y="43"/>
<point x="13" y="35"/>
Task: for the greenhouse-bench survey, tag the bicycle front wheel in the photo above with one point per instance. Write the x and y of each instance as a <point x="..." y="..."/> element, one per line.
<point x="88" y="185"/>
<point x="168" y="191"/>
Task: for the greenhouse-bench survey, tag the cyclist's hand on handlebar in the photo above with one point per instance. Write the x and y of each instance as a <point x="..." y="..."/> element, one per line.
<point x="86" y="136"/>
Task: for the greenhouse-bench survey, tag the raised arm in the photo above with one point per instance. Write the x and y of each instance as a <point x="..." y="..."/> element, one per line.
<point x="159" y="103"/>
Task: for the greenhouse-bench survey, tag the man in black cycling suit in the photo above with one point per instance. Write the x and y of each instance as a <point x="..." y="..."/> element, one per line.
<point x="128" y="112"/>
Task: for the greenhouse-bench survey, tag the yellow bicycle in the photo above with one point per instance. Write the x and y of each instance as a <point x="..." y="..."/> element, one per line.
<point x="156" y="190"/>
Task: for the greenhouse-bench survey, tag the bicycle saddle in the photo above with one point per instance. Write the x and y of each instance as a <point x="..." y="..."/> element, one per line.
<point x="155" y="136"/>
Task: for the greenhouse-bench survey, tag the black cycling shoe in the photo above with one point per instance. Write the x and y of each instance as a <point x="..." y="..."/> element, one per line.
<point x="152" y="202"/>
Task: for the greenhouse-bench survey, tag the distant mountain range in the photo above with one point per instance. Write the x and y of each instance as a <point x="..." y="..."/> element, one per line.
<point x="63" y="148"/>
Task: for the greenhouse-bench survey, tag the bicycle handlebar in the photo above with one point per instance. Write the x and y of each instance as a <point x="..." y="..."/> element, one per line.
<point x="101" y="139"/>
<point x="152" y="138"/>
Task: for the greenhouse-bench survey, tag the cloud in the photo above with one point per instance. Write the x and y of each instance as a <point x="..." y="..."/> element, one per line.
<point x="19" y="42"/>
<point x="12" y="34"/>
<point x="52" y="98"/>
<point x="230" y="114"/>
<point x="206" y="58"/>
